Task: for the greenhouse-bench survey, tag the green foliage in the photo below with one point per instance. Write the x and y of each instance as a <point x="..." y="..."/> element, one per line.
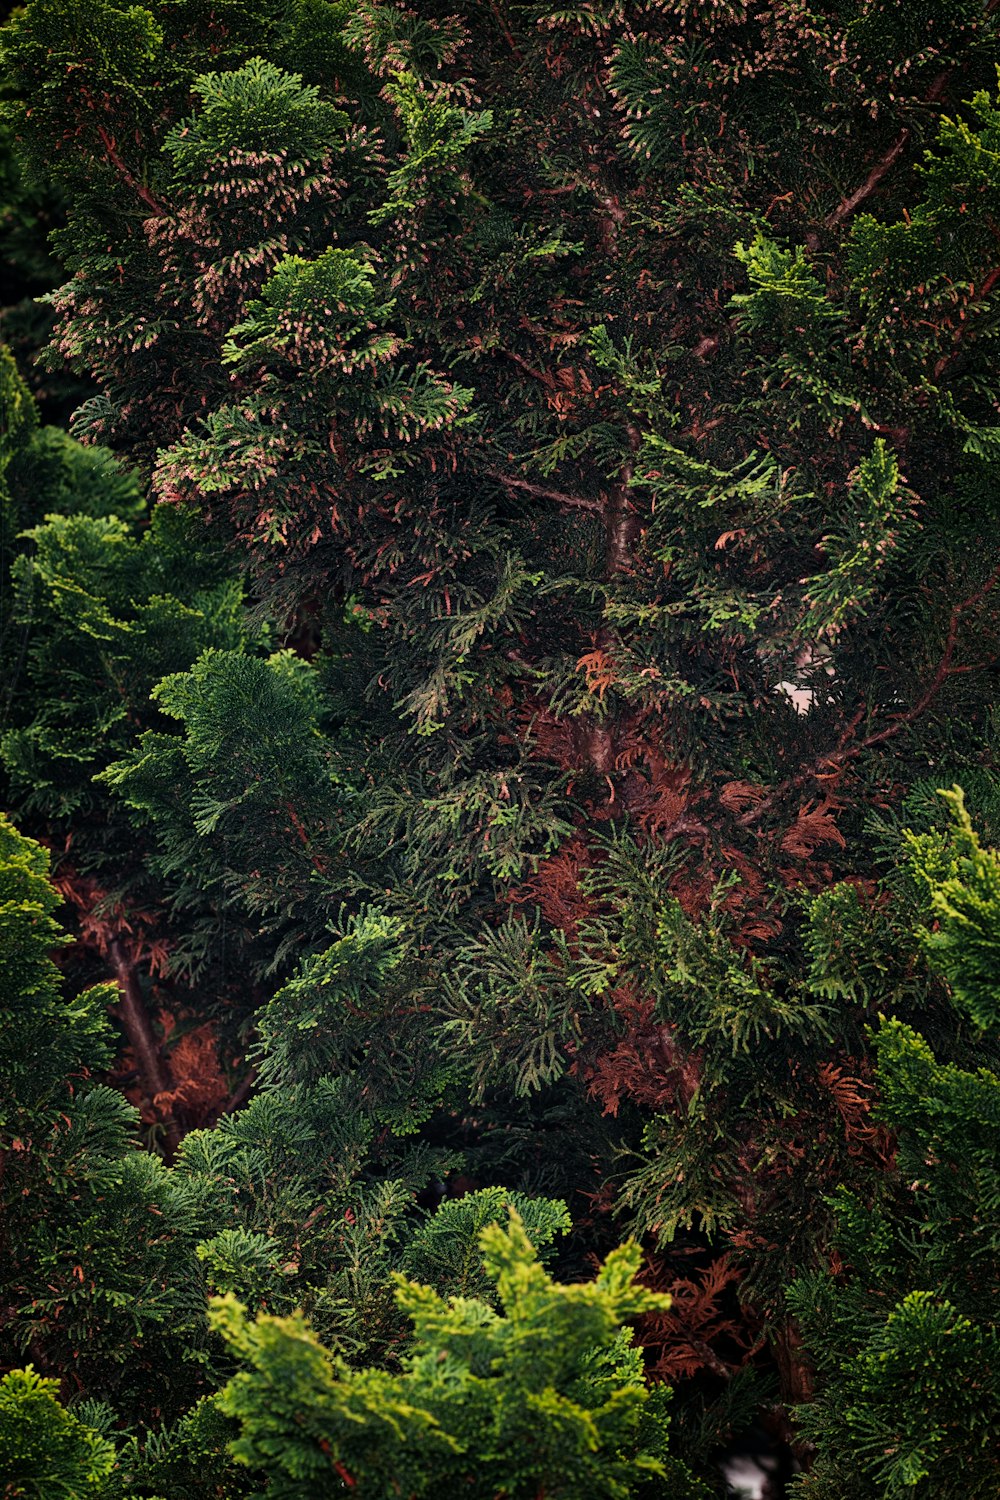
<point x="187" y="1460"/>
<point x="964" y="898"/>
<point x="510" y="1008"/>
<point x="306" y="1197"/>
<point x="879" y="517"/>
<point x="445" y="1250"/>
<point x="905" y="1339"/>
<point x="45" y="1452"/>
<point x="362" y="1005"/>
<point x="43" y="472"/>
<point x="921" y="1391"/>
<point x="784" y="289"/>
<point x="107" y="614"/>
<point x="44" y="1041"/>
<point x="97" y="1248"/>
<point x="597" y="416"/>
<point x="302" y="297"/>
<point x="438" y="134"/>
<point x="544" y="1394"/>
<point x="926" y="271"/>
<point x="246" y="119"/>
<point x="109" y="47"/>
<point x="242" y="804"/>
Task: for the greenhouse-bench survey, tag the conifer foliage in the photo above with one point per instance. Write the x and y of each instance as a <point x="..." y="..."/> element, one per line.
<point x="482" y="661"/>
<point x="543" y="1395"/>
<point x="906" y="1340"/>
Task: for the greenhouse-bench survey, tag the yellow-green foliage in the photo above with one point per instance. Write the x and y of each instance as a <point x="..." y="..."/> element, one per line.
<point x="544" y="1396"/>
<point x="45" y="1453"/>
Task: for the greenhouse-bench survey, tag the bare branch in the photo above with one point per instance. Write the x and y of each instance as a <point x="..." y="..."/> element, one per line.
<point x="573" y="502"/>
<point x="885" y="164"/>
<point x="138" y="1027"/>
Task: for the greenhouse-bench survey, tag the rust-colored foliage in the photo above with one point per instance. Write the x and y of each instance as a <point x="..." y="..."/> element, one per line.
<point x="649" y="1065"/>
<point x="556" y="889"/>
<point x="192" y="1051"/>
<point x="814" y="826"/>
<point x="853" y="1097"/>
<point x="101" y="921"/>
<point x="702" y="1331"/>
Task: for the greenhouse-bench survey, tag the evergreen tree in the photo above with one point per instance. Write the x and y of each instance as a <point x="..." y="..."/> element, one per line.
<point x="903" y="1325"/>
<point x="99" y="1283"/>
<point x="544" y="1391"/>
<point x="543" y="1396"/>
<point x="97" y="605"/>
<point x="305" y="1198"/>
<point x="596" y="407"/>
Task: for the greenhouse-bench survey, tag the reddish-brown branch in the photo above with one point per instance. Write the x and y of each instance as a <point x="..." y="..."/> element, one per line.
<point x="846" y="752"/>
<point x="620" y="520"/>
<point x="885" y="164"/>
<point x="542" y="376"/>
<point x="499" y="15"/>
<point x="559" y="497"/>
<point x="318" y="864"/>
<point x="944" y="669"/>
<point x="818" y="769"/>
<point x="138" y="1027"/>
<point x="989" y="282"/>
<point x="240" y="1094"/>
<point x="127" y="176"/>
<point x="881" y="169"/>
<point x="621" y="525"/>
<point x="710" y="1359"/>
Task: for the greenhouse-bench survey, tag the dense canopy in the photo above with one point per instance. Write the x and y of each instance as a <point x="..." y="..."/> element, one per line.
<point x="499" y="604"/>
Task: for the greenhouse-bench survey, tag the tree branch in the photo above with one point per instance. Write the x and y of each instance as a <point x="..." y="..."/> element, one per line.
<point x="621" y="525"/>
<point x="620" y="519"/>
<point x="540" y="375"/>
<point x="500" y="16"/>
<point x="944" y="669"/>
<point x="845" y="752"/>
<point x="573" y="502"/>
<point x="127" y="176"/>
<point x="240" y="1094"/>
<point x="138" y="1027"/>
<point x="885" y="164"/>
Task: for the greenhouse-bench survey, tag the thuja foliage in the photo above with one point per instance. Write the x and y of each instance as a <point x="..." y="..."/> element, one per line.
<point x="542" y="1391"/>
<point x="93" y="1230"/>
<point x="98" y="603"/>
<point x="297" y="1201"/>
<point x="904" y="1330"/>
<point x="543" y="1395"/>
<point x="524" y="574"/>
<point x="44" y="1450"/>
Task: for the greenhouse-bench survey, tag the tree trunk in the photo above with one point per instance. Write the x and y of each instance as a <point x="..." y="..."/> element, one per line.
<point x="621" y="528"/>
<point x="154" y="1077"/>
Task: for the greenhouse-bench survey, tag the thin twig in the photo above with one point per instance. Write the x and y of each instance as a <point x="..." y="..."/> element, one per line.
<point x="574" y="502"/>
<point x="885" y="164"/>
<point x="844" y="752"/>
